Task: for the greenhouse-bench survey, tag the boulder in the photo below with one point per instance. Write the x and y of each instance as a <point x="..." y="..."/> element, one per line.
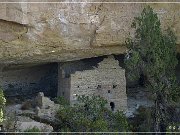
<point x="43" y="102"/>
<point x="22" y="126"/>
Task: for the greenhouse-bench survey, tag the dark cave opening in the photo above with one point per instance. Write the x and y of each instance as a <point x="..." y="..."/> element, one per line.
<point x="26" y="82"/>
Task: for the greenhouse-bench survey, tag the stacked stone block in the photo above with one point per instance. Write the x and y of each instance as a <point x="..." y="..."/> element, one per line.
<point x="107" y="80"/>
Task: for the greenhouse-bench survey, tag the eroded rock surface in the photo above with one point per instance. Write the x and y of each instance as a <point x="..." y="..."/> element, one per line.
<point x="38" y="112"/>
<point x="23" y="126"/>
<point x="41" y="32"/>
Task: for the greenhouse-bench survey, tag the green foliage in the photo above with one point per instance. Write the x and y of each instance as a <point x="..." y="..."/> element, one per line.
<point x="33" y="131"/>
<point x="10" y="122"/>
<point x="120" y="122"/>
<point x="61" y="100"/>
<point x="142" y="122"/>
<point x="2" y="104"/>
<point x="90" y="115"/>
<point x="94" y="105"/>
<point x="153" y="54"/>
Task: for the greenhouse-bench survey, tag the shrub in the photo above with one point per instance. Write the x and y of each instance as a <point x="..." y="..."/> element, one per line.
<point x="2" y="104"/>
<point x="33" y="131"/>
<point x="61" y="100"/>
<point x="143" y="121"/>
<point x="90" y="115"/>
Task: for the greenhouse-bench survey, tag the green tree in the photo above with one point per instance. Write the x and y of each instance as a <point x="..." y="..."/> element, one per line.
<point x="153" y="54"/>
<point x="90" y="115"/>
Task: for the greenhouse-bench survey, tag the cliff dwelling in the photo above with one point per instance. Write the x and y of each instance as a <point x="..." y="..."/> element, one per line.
<point x="101" y="76"/>
<point x="98" y="76"/>
<point x="104" y="76"/>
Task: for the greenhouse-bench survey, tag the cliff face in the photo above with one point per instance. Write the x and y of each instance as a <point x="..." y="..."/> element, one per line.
<point x="53" y="32"/>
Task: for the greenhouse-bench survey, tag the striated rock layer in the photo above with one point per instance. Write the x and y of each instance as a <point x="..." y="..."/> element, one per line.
<point x="56" y="32"/>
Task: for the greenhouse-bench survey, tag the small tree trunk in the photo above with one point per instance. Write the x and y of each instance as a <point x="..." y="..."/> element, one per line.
<point x="160" y="114"/>
<point x="157" y="117"/>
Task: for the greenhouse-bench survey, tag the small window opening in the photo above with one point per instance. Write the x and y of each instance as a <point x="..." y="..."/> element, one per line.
<point x="112" y="106"/>
<point x="99" y="86"/>
<point x="78" y="86"/>
<point x="114" y="86"/>
<point x="109" y="91"/>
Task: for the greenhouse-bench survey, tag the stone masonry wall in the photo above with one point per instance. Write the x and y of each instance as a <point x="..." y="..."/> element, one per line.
<point x="63" y="83"/>
<point x="108" y="81"/>
<point x="66" y="69"/>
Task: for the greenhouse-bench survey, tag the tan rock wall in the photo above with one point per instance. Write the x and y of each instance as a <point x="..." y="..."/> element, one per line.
<point x="44" y="32"/>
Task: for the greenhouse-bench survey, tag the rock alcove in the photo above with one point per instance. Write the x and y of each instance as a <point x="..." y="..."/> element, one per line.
<point x="26" y="81"/>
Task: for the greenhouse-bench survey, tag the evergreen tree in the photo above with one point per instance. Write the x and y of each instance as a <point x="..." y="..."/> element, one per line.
<point x="153" y="55"/>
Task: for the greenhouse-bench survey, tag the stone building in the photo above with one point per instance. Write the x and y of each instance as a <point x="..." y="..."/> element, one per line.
<point x="107" y="80"/>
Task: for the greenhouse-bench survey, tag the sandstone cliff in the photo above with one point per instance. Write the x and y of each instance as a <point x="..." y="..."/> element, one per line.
<point x="52" y="32"/>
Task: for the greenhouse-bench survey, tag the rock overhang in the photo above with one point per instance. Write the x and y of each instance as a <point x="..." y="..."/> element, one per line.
<point x="57" y="32"/>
